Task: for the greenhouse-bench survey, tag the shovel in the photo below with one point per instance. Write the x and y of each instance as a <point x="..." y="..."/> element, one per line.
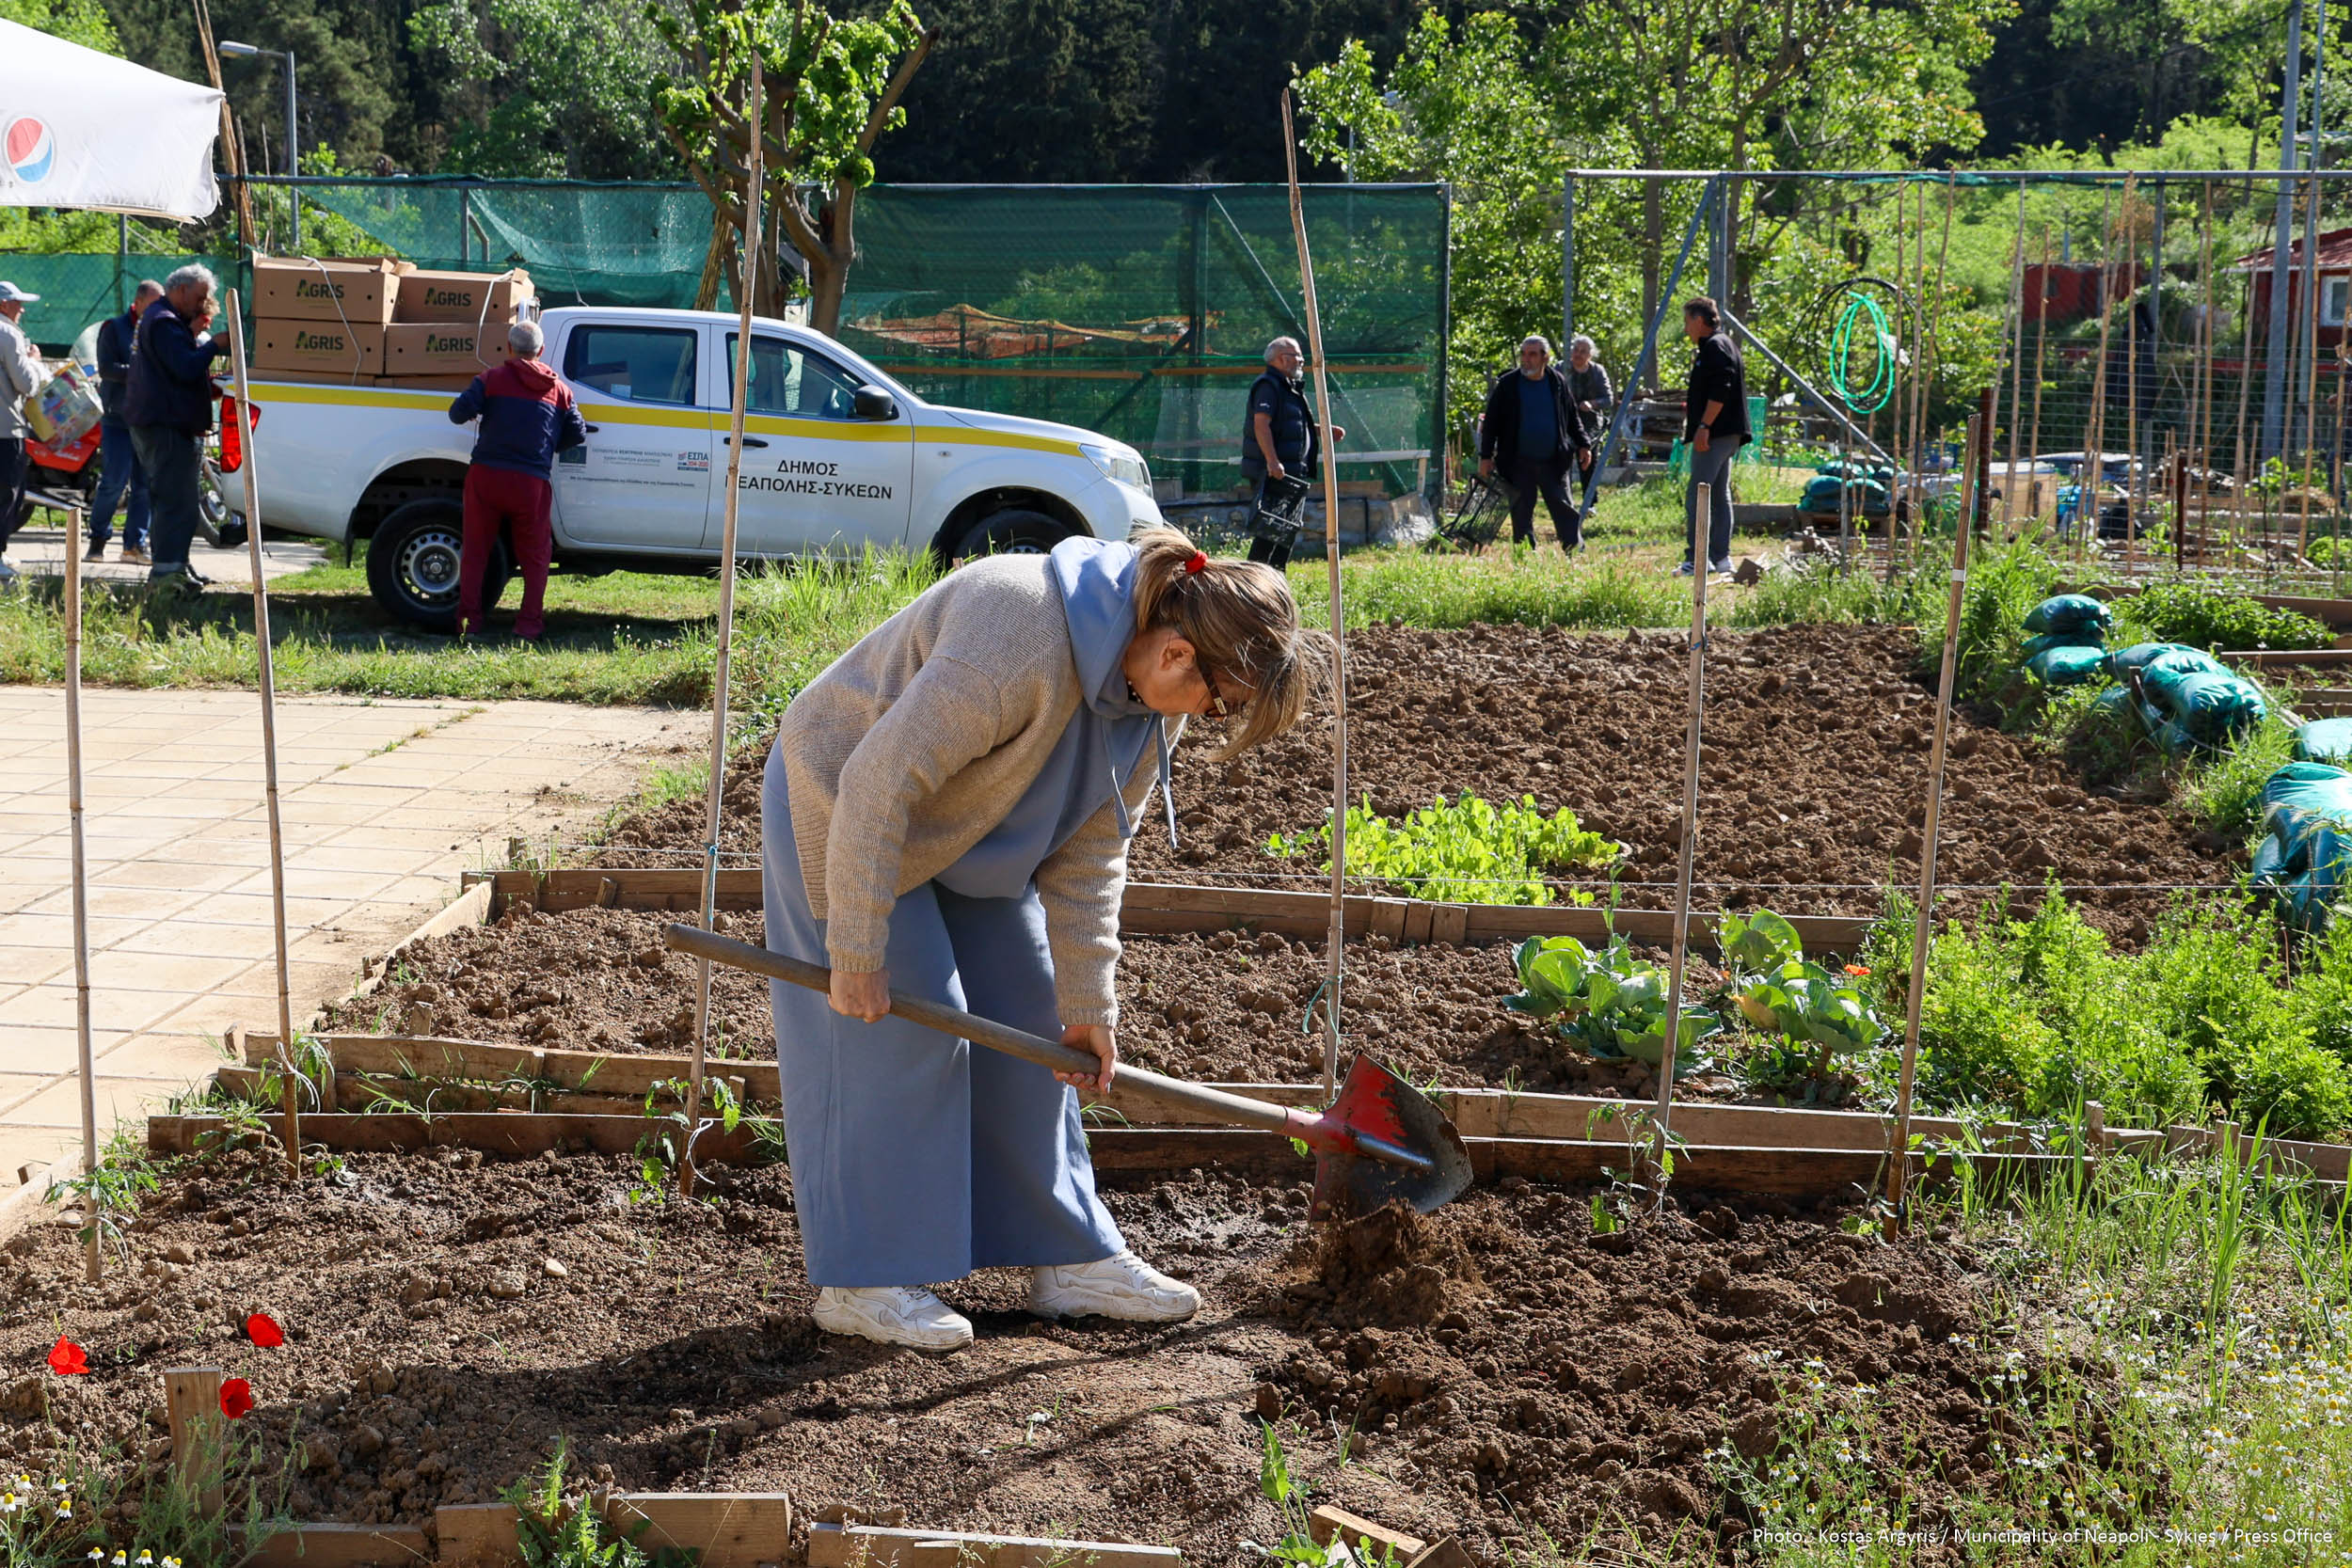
<point x="1381" y="1139"/>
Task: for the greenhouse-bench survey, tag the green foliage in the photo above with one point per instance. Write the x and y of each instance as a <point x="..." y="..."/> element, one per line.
<point x="1611" y="1002"/>
<point x="110" y="1194"/>
<point x="2213" y="619"/>
<point x="2223" y="789"/>
<point x="1539" y="590"/>
<point x="562" y="1527"/>
<point x="1807" y="1003"/>
<point x="1758" y="944"/>
<point x="2032" y="1016"/>
<point x="1464" y="851"/>
<point x="2004" y="584"/>
<point x="549" y="88"/>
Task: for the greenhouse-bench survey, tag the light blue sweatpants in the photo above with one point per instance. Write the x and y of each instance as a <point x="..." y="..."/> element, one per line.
<point x="917" y="1158"/>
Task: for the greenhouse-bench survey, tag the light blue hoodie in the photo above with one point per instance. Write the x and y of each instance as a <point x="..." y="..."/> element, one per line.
<point x="1098" y="754"/>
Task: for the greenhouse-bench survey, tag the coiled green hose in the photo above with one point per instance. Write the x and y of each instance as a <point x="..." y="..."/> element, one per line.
<point x="1869" y="399"/>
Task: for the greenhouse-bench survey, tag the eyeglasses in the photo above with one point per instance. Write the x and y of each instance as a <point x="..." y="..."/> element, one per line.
<point x="1218" y="706"/>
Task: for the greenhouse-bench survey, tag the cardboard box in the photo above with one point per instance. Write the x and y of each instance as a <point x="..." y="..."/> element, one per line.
<point x="316" y="289"/>
<point x="461" y="296"/>
<point x="329" y="346"/>
<point x="442" y="348"/>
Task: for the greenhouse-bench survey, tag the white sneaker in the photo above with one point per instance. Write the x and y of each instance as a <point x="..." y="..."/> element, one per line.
<point x="8" y="572"/>
<point x="894" y="1315"/>
<point x="1124" y="1285"/>
<point x="1720" y="569"/>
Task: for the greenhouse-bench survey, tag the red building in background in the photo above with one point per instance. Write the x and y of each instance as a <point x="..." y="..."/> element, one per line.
<point x="2335" y="284"/>
<point x="2061" y="292"/>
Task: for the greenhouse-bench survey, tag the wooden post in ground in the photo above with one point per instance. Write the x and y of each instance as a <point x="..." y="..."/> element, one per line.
<point x="1899" y="1152"/>
<point x="1678" y="955"/>
<point x="266" y="676"/>
<point x="93" y="1261"/>
<point x="192" y="1407"/>
<point x="739" y="385"/>
<point x="1334" y="968"/>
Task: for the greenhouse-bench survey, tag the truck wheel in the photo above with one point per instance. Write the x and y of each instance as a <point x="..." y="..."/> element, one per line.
<point x="1015" y="532"/>
<point x="412" y="564"/>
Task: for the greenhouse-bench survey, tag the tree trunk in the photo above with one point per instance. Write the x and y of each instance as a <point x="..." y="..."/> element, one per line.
<point x="829" y="273"/>
<point x="717" y="260"/>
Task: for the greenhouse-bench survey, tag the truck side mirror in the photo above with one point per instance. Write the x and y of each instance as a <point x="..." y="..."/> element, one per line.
<point x="873" y="402"/>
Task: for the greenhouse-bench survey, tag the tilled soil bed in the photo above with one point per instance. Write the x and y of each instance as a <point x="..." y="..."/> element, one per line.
<point x="1508" y="1375"/>
<point x="1226" y="1007"/>
<point x="1816" y="774"/>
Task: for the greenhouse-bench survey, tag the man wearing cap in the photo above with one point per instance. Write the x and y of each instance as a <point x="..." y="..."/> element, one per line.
<point x="19" y="374"/>
<point x="167" y="403"/>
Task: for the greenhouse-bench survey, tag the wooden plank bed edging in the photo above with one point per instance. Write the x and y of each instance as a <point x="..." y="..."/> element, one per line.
<point x="1176" y="907"/>
<point x="513" y="1133"/>
<point x="880" y="1546"/>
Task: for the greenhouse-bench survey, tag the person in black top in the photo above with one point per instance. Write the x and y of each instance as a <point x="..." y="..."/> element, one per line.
<point x="1280" y="441"/>
<point x="167" y="403"/>
<point x="1530" y="426"/>
<point x="119" y="470"/>
<point x="1715" y="426"/>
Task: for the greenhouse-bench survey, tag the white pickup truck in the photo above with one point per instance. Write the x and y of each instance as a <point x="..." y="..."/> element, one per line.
<point x="837" y="456"/>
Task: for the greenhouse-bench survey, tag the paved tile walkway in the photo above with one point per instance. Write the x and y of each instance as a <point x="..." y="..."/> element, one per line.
<point x="41" y="551"/>
<point x="383" y="802"/>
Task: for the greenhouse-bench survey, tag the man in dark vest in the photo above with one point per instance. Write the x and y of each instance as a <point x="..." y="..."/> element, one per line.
<point x="1531" y="428"/>
<point x="167" y="403"/>
<point x="1280" y="443"/>
<point x="118" y="472"/>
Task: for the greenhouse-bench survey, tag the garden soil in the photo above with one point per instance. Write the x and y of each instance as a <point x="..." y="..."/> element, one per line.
<point x="1812" y="796"/>
<point x="1507" y="1375"/>
<point x="1224" y="1007"/>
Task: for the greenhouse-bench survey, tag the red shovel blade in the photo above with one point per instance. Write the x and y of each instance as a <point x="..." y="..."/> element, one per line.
<point x="1381" y="1113"/>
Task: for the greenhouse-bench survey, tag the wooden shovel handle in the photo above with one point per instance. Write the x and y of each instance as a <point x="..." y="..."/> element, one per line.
<point x="1214" y="1105"/>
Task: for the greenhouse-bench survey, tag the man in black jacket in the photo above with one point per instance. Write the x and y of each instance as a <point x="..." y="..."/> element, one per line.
<point x="168" y="405"/>
<point x="1714" y="426"/>
<point x="1530" y="426"/>
<point x="118" y="470"/>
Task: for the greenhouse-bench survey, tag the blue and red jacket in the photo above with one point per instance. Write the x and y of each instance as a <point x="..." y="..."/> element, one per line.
<point x="527" y="416"/>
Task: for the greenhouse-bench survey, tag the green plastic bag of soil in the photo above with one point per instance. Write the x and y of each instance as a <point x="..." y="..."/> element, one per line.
<point x="2189" y="705"/>
<point x="2328" y="741"/>
<point x="2071" y="664"/>
<point x="1864" y="498"/>
<point x="2068" y="612"/>
<point x="2036" y="646"/>
<point x="2306" y="859"/>
<point x="2140" y="655"/>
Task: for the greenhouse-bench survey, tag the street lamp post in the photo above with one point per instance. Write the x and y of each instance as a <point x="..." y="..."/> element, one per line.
<point x="293" y="195"/>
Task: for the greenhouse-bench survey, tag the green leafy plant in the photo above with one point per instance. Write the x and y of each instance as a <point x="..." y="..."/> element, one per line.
<point x="1757" y="944"/>
<point x="2206" y="618"/>
<point x="668" y="1134"/>
<point x="1611" y="1002"/>
<point x="1465" y="851"/>
<point x="561" y="1529"/>
<point x="110" y="1194"/>
<point x="1810" y="1005"/>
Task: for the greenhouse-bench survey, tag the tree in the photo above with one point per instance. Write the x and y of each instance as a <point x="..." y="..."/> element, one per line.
<point x="830" y="88"/>
<point x="551" y="89"/>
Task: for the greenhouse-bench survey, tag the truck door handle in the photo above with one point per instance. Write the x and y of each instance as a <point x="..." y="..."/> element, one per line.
<point x="595" y="429"/>
<point x="748" y="440"/>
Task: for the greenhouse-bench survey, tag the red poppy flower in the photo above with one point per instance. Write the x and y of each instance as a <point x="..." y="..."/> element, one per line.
<point x="236" y="1398"/>
<point x="1858" y="969"/>
<point x="66" y="1358"/>
<point x="263" y="1331"/>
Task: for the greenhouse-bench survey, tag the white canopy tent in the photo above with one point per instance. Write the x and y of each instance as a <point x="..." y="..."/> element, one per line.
<point x="85" y="130"/>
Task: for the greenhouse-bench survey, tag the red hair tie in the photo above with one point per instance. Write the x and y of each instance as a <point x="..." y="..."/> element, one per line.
<point x="1196" y="561"/>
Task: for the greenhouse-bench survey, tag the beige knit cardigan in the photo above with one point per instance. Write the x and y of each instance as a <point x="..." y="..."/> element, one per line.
<point x="918" y="740"/>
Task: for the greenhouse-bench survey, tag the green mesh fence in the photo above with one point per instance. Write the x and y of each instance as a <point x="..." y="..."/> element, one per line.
<point x="77" y="289"/>
<point x="1141" y="311"/>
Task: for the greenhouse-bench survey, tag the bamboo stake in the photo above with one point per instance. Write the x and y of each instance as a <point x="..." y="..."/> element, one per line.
<point x="1898" y="1154"/>
<point x="2016" y="342"/>
<point x="2095" y="433"/>
<point x="2310" y="372"/>
<point x="1700" y="499"/>
<point x="740" y="388"/>
<point x="2202" y="419"/>
<point x="2041" y="346"/>
<point x="2244" y="400"/>
<point x="266" y="670"/>
<point x="93" y="1263"/>
<point x="2135" y="486"/>
<point x="1335" y="943"/>
<point x="1931" y="343"/>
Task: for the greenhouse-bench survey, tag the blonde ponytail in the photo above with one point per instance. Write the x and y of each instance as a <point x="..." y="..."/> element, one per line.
<point x="1240" y="617"/>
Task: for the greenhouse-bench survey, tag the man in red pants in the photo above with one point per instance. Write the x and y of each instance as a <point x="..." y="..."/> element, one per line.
<point x="527" y="416"/>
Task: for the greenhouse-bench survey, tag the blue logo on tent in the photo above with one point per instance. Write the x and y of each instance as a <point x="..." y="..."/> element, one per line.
<point x="32" y="149"/>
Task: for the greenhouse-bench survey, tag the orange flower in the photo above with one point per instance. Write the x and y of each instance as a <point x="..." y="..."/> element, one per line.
<point x="1858" y="971"/>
